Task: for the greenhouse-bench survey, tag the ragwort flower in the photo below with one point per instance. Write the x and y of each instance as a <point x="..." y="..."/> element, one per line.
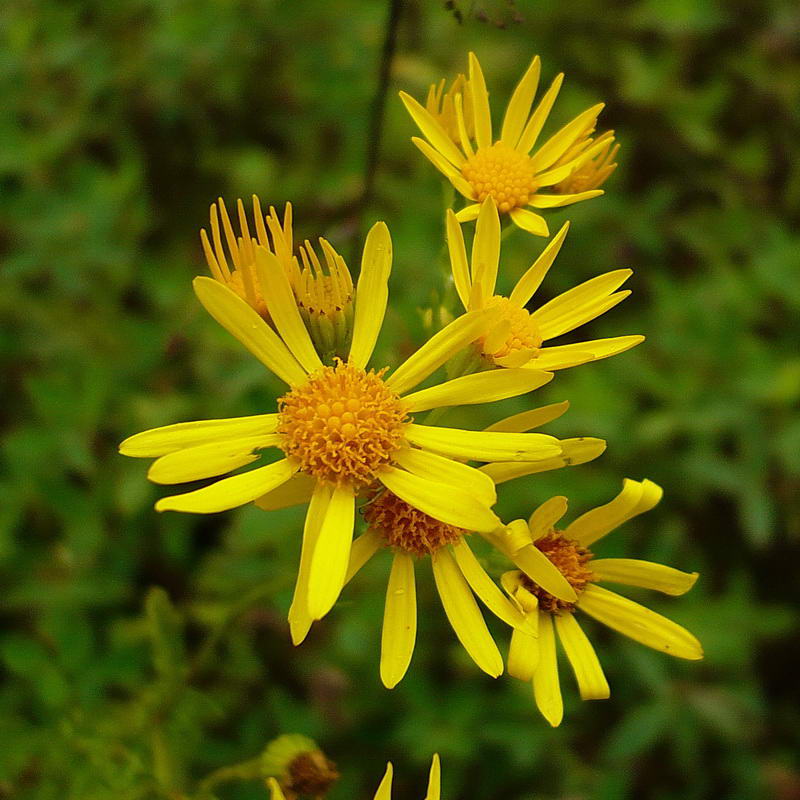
<point x="384" y="791"/>
<point x="534" y="659"/>
<point x="340" y="429"/>
<point x="516" y="336"/>
<point x="595" y="171"/>
<point x="479" y="166"/>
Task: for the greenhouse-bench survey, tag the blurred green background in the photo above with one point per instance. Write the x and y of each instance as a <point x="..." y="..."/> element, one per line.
<point x="120" y="123"/>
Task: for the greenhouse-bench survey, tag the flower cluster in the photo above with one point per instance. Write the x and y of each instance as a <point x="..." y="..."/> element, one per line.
<point x="354" y="439"/>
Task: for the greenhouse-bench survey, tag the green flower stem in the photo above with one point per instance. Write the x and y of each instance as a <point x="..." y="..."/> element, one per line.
<point x="244" y="771"/>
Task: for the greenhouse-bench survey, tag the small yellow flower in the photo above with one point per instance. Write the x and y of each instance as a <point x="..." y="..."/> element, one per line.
<point x="516" y="336"/>
<point x="504" y="169"/>
<point x="384" y="791"/>
<point x="341" y="429"/>
<point x="241" y="274"/>
<point x="594" y="172"/>
<point x="567" y="551"/>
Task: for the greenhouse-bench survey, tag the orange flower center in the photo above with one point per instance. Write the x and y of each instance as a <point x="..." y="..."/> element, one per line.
<point x="502" y="173"/>
<point x="343" y="425"/>
<point x="571" y="560"/>
<point x="406" y="528"/>
<point x="523" y="334"/>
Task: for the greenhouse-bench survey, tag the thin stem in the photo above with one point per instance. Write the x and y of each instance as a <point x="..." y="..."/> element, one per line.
<point x="244" y="771"/>
<point x="376" y="116"/>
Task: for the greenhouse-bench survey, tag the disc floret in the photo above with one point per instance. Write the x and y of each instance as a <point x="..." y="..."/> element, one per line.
<point x="343" y="425"/>
<point x="408" y="529"/>
<point x="523" y="334"/>
<point x="502" y="173"/>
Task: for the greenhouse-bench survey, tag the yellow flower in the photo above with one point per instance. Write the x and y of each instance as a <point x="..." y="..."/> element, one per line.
<point x="441" y="105"/>
<point x="241" y="275"/>
<point x="340" y="430"/>
<point x="384" y="791"/>
<point x="504" y="169"/>
<point x="534" y="659"/>
<point x="594" y="172"/>
<point x="516" y="336"/>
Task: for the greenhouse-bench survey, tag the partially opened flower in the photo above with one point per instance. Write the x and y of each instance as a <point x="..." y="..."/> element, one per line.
<point x="237" y="269"/>
<point x="340" y="429"/>
<point x="508" y="169"/>
<point x="515" y="336"/>
<point x="534" y="659"/>
<point x="384" y="791"/>
<point x="593" y="172"/>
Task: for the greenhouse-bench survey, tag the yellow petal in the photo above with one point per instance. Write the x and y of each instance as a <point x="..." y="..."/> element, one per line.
<point x="468" y="213"/>
<point x="399" y="621"/>
<point x="169" y="438"/>
<point x="362" y="550"/>
<point x="559" y="142"/>
<point x="519" y="107"/>
<point x="480" y="103"/>
<point x="546" y="688"/>
<point x="634" y="499"/>
<point x="545" y="517"/>
<point x="639" y="623"/>
<point x="332" y="553"/>
<point x="210" y="459"/>
<point x="299" y="617"/>
<point x="298" y="489"/>
<point x="433" y="131"/>
<point x="439" y="348"/>
<point x="514" y="359"/>
<point x="463" y="136"/>
<point x="487" y="590"/>
<point x="480" y="387"/>
<point x="275" y="792"/>
<point x="438" y="469"/>
<point x="283" y="310"/>
<point x="230" y="492"/>
<point x="528" y="221"/>
<point x="540" y="200"/>
<point x="523" y="655"/>
<point x="534" y="125"/>
<point x="434" y="780"/>
<point x="445" y="167"/>
<point x="579" y="304"/>
<point x="463" y="613"/>
<point x="372" y="293"/>
<point x="648" y="575"/>
<point x="244" y="324"/>
<point x="483" y="445"/>
<point x="538" y="567"/>
<point x="580" y="352"/>
<point x="528" y="420"/>
<point x="532" y="279"/>
<point x="592" y="683"/>
<point x="458" y="258"/>
<point x="486" y="248"/>
<point x="385" y="789"/>
<point x="445" y="502"/>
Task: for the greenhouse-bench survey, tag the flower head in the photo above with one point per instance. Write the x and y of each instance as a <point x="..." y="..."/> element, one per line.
<point x="595" y="171"/>
<point x="563" y="556"/>
<point x="298" y="767"/>
<point x="511" y="170"/>
<point x="339" y="429"/>
<point x="384" y="791"/>
<point x="515" y="336"/>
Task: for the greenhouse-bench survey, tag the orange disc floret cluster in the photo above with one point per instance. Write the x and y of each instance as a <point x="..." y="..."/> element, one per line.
<point x="342" y="425"/>
<point x="524" y="334"/>
<point x="407" y="528"/>
<point x="571" y="560"/>
<point x="502" y="173"/>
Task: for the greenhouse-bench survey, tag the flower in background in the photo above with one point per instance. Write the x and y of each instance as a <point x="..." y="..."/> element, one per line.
<point x="514" y="337"/>
<point x="384" y="791"/>
<point x="480" y="166"/>
<point x="295" y="767"/>
<point x="534" y="659"/>
<point x="340" y="430"/>
<point x="594" y="172"/>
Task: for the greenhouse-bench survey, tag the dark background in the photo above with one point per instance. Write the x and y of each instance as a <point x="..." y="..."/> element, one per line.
<point x="120" y="123"/>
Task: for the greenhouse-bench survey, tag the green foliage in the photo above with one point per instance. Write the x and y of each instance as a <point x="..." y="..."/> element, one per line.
<point x="121" y="122"/>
